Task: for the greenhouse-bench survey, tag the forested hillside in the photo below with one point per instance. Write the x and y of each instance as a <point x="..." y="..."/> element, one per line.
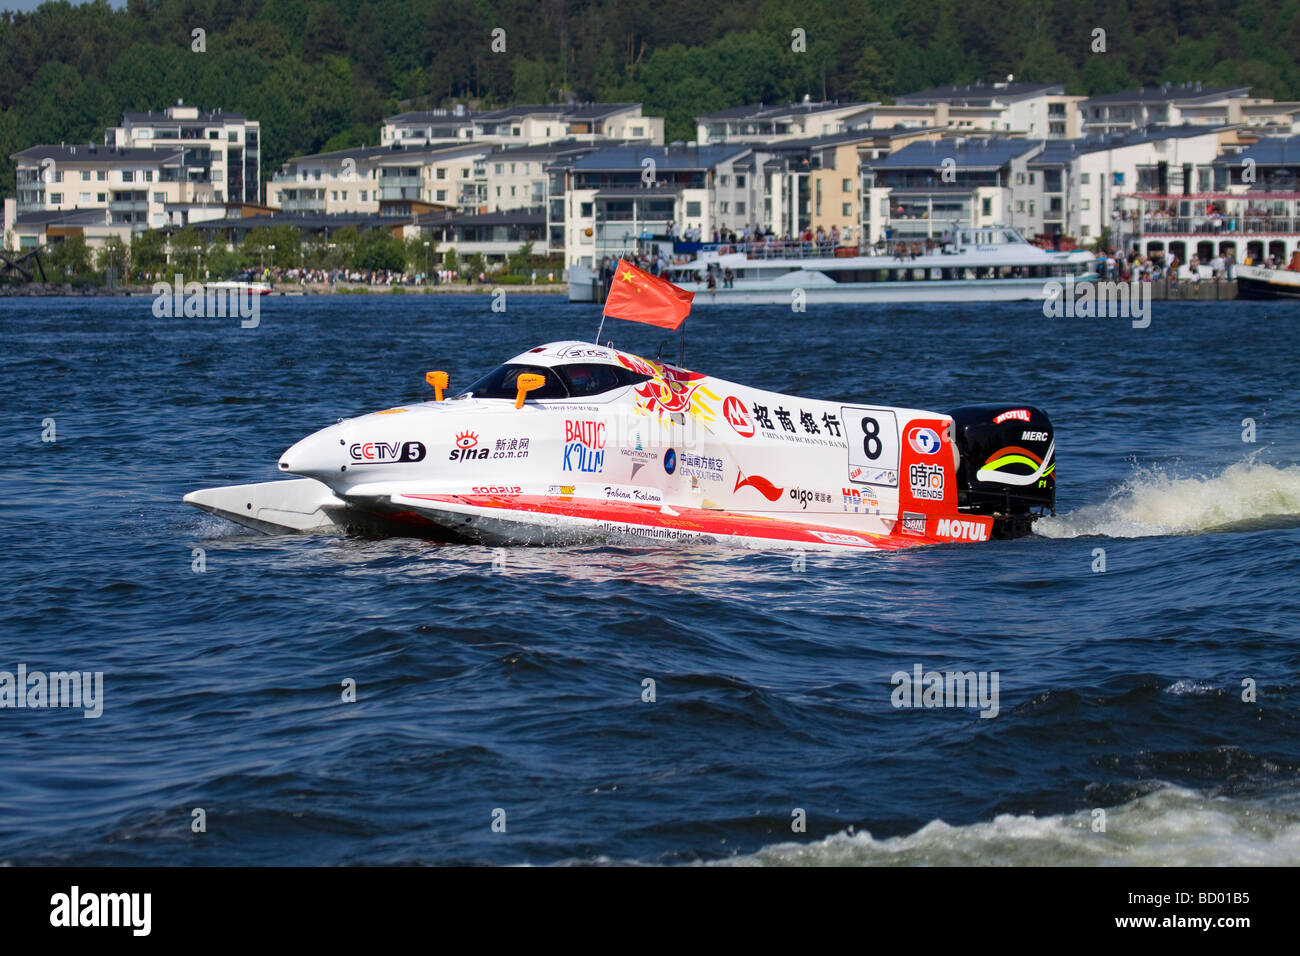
<point x="321" y="75"/>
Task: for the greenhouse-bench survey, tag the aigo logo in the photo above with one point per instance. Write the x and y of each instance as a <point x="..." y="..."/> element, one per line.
<point x="737" y="416"/>
<point x="924" y="440"/>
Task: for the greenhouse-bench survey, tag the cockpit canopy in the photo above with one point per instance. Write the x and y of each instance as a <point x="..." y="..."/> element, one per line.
<point x="572" y="380"/>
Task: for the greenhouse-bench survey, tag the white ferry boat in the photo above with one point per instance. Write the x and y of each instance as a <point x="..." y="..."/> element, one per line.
<point x="967" y="265"/>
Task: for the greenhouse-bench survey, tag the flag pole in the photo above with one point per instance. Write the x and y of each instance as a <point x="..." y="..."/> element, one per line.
<point x="681" y="347"/>
<point x="600" y="327"/>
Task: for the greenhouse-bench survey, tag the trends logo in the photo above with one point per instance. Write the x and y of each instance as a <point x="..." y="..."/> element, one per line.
<point x="584" y="446"/>
<point x="384" y="453"/>
<point x="923" y="439"/>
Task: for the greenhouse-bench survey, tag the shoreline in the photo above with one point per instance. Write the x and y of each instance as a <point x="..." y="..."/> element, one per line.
<point x="37" y="290"/>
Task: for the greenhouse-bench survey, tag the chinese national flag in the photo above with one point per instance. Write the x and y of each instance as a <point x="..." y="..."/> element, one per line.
<point x="640" y="297"/>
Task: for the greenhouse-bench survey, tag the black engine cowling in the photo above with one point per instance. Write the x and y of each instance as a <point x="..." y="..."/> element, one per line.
<point x="1006" y="466"/>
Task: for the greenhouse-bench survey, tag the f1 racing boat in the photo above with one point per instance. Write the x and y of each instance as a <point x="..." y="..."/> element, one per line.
<point x="577" y="443"/>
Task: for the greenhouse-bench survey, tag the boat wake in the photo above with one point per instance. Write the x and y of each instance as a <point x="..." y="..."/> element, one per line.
<point x="1245" y="496"/>
<point x="1172" y="826"/>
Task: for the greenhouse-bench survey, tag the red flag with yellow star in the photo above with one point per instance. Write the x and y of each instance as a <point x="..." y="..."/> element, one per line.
<point x="638" y="296"/>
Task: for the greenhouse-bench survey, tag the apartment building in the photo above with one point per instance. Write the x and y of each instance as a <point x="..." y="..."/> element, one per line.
<point x="525" y="125"/>
<point x="1031" y="110"/>
<point x="610" y="199"/>
<point x="395" y="179"/>
<point x="765" y="123"/>
<point x="219" y="149"/>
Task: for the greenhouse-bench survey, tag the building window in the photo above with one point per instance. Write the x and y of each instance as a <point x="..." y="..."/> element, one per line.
<point x="56" y="198"/>
<point x="442" y="195"/>
<point x="1087" y="230"/>
<point x="335" y="195"/>
<point x="846" y="209"/>
<point x="101" y="197"/>
<point x="85" y="197"/>
<point x="1031" y="179"/>
<point x="1085" y="178"/>
<point x="585" y="212"/>
<point x="85" y="175"/>
<point x="693" y="208"/>
<point x="636" y="131"/>
<point x="345" y="195"/>
<point x="846" y="185"/>
<point x="986" y="207"/>
<point x="58" y="175"/>
<point x="740" y="209"/>
<point x="1031" y="207"/>
<point x="128" y="175"/>
<point x="514" y="131"/>
<point x="724" y="208"/>
<point x="740" y="181"/>
<point x="498" y="192"/>
<point x="1085" y="204"/>
<point x="101" y="175"/>
<point x="1020" y="205"/>
<point x="724" y="180"/>
<point x="159" y="197"/>
<point x="499" y="169"/>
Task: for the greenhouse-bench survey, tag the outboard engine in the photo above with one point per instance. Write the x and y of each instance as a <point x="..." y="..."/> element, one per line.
<point x="1006" y="465"/>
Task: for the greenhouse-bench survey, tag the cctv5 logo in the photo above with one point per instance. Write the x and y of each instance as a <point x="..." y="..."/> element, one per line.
<point x="924" y="440"/>
<point x="382" y="452"/>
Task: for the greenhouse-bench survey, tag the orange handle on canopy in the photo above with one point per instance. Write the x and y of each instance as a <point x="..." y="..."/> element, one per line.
<point x="527" y="383"/>
<point x="439" y="381"/>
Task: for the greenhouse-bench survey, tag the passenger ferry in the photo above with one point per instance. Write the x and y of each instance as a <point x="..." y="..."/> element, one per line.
<point x="967" y="265"/>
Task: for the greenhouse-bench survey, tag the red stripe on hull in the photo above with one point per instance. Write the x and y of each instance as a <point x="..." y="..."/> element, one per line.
<point x="698" y="520"/>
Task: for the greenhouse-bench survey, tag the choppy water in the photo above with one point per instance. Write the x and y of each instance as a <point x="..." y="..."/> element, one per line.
<point x="521" y="690"/>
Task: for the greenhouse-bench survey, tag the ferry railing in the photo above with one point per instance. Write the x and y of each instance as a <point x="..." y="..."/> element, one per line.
<point x="1207" y="225"/>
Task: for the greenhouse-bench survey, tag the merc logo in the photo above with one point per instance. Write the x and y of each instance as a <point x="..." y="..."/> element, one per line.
<point x="1033" y="436"/>
<point x="961" y="530"/>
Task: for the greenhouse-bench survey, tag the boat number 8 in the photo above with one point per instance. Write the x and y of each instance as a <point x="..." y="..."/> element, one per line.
<point x="871" y="440"/>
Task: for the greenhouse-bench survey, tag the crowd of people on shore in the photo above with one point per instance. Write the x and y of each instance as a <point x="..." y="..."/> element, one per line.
<point x="1114" y="267"/>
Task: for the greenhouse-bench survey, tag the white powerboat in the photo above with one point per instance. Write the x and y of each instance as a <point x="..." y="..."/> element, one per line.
<point x="573" y="442"/>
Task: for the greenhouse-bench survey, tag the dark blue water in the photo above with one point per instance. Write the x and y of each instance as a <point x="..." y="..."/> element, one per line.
<point x="521" y="690"/>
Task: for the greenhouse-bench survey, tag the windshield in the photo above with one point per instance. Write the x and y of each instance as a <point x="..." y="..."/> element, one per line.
<point x="564" y="381"/>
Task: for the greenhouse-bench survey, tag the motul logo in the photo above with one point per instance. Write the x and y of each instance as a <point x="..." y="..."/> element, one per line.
<point x="961" y="530"/>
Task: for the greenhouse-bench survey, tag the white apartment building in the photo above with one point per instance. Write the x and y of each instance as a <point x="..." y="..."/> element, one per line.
<point x="372" y="179"/>
<point x="131" y="186"/>
<point x="765" y="123"/>
<point x="219" y="149"/>
<point x="527" y="125"/>
<point x="1031" y="110"/>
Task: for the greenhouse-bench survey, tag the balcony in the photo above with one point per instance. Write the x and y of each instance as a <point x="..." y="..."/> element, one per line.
<point x="387" y="192"/>
<point x="403" y="182"/>
<point x="303" y="205"/>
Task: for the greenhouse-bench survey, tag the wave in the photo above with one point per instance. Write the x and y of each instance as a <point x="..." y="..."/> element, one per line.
<point x="1243" y="496"/>
<point x="1172" y="826"/>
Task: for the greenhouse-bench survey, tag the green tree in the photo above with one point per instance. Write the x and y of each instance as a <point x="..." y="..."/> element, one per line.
<point x="148" y="252"/>
<point x="71" y="258"/>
